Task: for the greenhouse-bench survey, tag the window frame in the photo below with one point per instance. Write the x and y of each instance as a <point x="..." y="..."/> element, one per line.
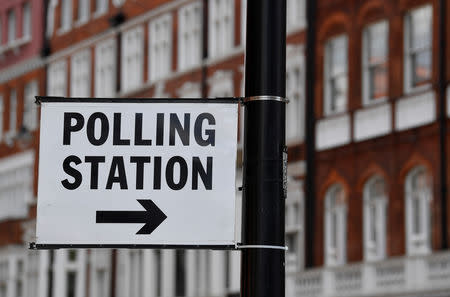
<point x="409" y="52"/>
<point x="374" y="250"/>
<point x="12" y="26"/>
<point x="186" y="51"/>
<point x="80" y="70"/>
<point x="27" y="20"/>
<point x="105" y="58"/>
<point x="329" y="77"/>
<point x="161" y="59"/>
<point x="418" y="243"/>
<point x="335" y="255"/>
<point x="132" y="60"/>
<point x="367" y="65"/>
<point x="221" y="43"/>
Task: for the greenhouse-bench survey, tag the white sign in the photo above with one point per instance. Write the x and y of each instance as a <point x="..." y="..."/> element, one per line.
<point x="137" y="172"/>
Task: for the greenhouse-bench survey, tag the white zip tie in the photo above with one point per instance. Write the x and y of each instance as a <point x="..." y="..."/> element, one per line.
<point x="255" y="246"/>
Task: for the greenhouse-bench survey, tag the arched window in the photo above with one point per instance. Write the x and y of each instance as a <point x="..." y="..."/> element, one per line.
<point x="375" y="202"/>
<point x="418" y="198"/>
<point x="335" y="226"/>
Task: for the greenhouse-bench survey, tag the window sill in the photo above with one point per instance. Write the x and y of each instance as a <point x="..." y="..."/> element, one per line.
<point x="62" y="31"/>
<point x="375" y="102"/>
<point x="14" y="45"/>
<point x="99" y="14"/>
<point x="80" y="23"/>
<point x="419" y="89"/>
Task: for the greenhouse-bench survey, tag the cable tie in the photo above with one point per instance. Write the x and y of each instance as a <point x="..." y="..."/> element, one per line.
<point x="257" y="246"/>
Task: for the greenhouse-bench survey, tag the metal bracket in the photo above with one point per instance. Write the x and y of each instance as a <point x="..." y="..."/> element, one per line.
<point x="257" y="246"/>
<point x="265" y="98"/>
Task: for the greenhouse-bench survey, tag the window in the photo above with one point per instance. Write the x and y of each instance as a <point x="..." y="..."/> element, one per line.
<point x="375" y="62"/>
<point x="105" y="69"/>
<point x="418" y="200"/>
<point x="19" y="281"/>
<point x="32" y="274"/>
<point x="243" y="21"/>
<point x="83" y="11"/>
<point x="336" y="75"/>
<point x="158" y="272"/>
<point x="57" y="79"/>
<point x="11" y="26"/>
<point x="16" y="182"/>
<point x="100" y="272"/>
<point x="30" y="109"/>
<point x="26" y="19"/>
<point x="160" y="47"/>
<point x="101" y="6"/>
<point x="221" y="84"/>
<point x="80" y="76"/>
<point x="295" y="117"/>
<point x="136" y="281"/>
<point x="4" y="277"/>
<point x="190" y="35"/>
<point x="66" y="15"/>
<point x="71" y="273"/>
<point x="418" y="47"/>
<point x="12" y="111"/>
<point x="180" y="273"/>
<point x="294" y="225"/>
<point x="1" y="116"/>
<point x="374" y="219"/>
<point x="221" y="26"/>
<point x="335" y="226"/>
<point x="132" y="58"/>
<point x="295" y="16"/>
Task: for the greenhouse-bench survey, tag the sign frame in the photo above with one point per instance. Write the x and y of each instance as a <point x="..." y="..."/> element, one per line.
<point x="218" y="100"/>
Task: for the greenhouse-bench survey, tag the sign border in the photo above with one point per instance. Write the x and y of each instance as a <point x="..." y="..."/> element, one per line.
<point x="217" y="100"/>
<point x="56" y="99"/>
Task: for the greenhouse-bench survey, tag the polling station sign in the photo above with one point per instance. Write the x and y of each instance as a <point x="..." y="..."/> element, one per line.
<point x="120" y="172"/>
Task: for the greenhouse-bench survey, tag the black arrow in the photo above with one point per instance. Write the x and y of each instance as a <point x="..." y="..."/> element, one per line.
<point x="152" y="217"/>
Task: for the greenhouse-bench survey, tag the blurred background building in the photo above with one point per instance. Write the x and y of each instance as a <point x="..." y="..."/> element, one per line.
<point x="376" y="220"/>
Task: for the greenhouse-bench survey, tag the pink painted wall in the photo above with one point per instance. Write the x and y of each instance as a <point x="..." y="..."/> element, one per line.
<point x="33" y="47"/>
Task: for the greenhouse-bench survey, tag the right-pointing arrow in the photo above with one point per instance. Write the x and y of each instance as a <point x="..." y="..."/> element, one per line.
<point x="152" y="217"/>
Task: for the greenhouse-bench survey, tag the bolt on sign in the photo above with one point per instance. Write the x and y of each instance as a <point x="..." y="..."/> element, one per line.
<point x="137" y="172"/>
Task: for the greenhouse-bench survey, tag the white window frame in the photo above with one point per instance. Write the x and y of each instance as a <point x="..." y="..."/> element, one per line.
<point x="335" y="255"/>
<point x="106" y="68"/>
<point x="30" y="109"/>
<point x="221" y="27"/>
<point x="84" y="7"/>
<point x="417" y="244"/>
<point x="132" y="59"/>
<point x="367" y="65"/>
<point x="409" y="51"/>
<point x="221" y="84"/>
<point x="100" y="263"/>
<point x="374" y="250"/>
<point x="243" y="22"/>
<point x="295" y="92"/>
<point x="295" y="223"/>
<point x="13" y="104"/>
<point x="328" y="76"/>
<point x="102" y="8"/>
<point x="63" y="266"/>
<point x="2" y="117"/>
<point x="80" y="74"/>
<point x="66" y="16"/>
<point x="57" y="78"/>
<point x="16" y="185"/>
<point x="160" y="47"/>
<point x="26" y="21"/>
<point x="190" y="39"/>
<point x="295" y="15"/>
<point x="12" y="26"/>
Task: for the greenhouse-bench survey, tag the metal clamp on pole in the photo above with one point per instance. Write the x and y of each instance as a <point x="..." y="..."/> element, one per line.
<point x="265" y="98"/>
<point x="257" y="246"/>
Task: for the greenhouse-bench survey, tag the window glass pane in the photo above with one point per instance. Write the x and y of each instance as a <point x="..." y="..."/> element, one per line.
<point x="378" y="77"/>
<point x="12" y="110"/>
<point x="180" y="281"/>
<point x="11" y="26"/>
<point x="26" y="20"/>
<point x="338" y="48"/>
<point x="338" y="93"/>
<point x="378" y="42"/>
<point x="72" y="255"/>
<point x="421" y="31"/>
<point x="421" y="62"/>
<point x="71" y="279"/>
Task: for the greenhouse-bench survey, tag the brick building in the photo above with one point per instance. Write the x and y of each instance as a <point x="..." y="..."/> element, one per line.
<point x="375" y="223"/>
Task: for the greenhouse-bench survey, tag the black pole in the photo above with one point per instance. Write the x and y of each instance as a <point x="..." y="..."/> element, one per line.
<point x="262" y="262"/>
<point x="310" y="187"/>
<point x="443" y="121"/>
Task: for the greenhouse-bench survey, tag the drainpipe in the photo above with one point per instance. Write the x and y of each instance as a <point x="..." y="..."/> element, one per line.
<point x="310" y="137"/>
<point x="443" y="121"/>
